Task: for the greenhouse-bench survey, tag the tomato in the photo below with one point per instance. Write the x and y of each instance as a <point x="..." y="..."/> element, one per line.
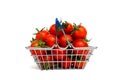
<point x="41" y="35"/>
<point x="35" y="43"/>
<point x="45" y="58"/>
<point x="79" y="58"/>
<point x="66" y="63"/>
<point x="80" y="32"/>
<point x="68" y="28"/>
<point x="50" y="40"/>
<point x="58" y="54"/>
<point x="52" y="30"/>
<point x="80" y="64"/>
<point x="46" y="61"/>
<point x="80" y="43"/>
<point x="83" y="57"/>
<point x="63" y="41"/>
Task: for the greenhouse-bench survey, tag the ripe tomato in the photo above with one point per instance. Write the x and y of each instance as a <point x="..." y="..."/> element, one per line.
<point x="79" y="58"/>
<point x="52" y="30"/>
<point x="80" y="32"/>
<point x="50" y="40"/>
<point x="35" y="43"/>
<point x="63" y="41"/>
<point x="80" y="43"/>
<point x="58" y="54"/>
<point x="80" y="64"/>
<point x="45" y="58"/>
<point x="68" y="28"/>
<point x="41" y="35"/>
<point x="46" y="61"/>
<point x="66" y="63"/>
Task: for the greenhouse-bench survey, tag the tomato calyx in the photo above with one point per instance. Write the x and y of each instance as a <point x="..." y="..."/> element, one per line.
<point x="65" y="24"/>
<point x="32" y="40"/>
<point x="76" y="27"/>
<point x="80" y="24"/>
<point x="58" y="28"/>
<point x="87" y="40"/>
<point x="42" y="29"/>
<point x="47" y="65"/>
<point x="38" y="30"/>
<point x="41" y="43"/>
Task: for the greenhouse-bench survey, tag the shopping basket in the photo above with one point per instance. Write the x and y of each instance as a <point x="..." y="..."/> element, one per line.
<point x="47" y="61"/>
<point x="56" y="57"/>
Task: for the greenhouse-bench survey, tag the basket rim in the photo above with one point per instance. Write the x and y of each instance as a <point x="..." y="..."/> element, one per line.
<point x="51" y="48"/>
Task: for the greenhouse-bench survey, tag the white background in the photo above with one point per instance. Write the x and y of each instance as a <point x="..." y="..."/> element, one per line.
<point x="19" y="18"/>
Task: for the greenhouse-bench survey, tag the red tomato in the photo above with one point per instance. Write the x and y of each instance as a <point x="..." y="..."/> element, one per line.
<point x="79" y="58"/>
<point x="41" y="35"/>
<point x="50" y="40"/>
<point x="63" y="41"/>
<point x="83" y="58"/>
<point x="58" y="54"/>
<point x="35" y="43"/>
<point x="52" y="30"/>
<point x="45" y="58"/>
<point x="80" y="64"/>
<point x="79" y="33"/>
<point x="46" y="61"/>
<point x="66" y="63"/>
<point x="68" y="28"/>
<point x="80" y="43"/>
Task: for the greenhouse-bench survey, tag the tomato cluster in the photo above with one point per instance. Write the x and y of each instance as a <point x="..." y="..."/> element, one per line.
<point x="58" y="56"/>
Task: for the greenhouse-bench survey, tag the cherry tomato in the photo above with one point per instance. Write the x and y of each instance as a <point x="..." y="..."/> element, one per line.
<point x="35" y="43"/>
<point x="80" y="64"/>
<point x="66" y="63"/>
<point x="46" y="61"/>
<point x="80" y="43"/>
<point x="41" y="35"/>
<point x="68" y="28"/>
<point x="80" y="32"/>
<point x="50" y="40"/>
<point x="63" y="41"/>
<point x="58" y="54"/>
<point x="53" y="31"/>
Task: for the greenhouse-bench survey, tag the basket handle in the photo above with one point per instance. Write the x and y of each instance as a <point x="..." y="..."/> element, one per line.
<point x="58" y="24"/>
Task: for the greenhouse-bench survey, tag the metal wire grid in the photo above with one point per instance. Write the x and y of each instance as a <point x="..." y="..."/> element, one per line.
<point x="48" y="60"/>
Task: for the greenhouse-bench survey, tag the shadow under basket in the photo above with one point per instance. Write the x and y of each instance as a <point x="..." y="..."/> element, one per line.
<point x="61" y="58"/>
